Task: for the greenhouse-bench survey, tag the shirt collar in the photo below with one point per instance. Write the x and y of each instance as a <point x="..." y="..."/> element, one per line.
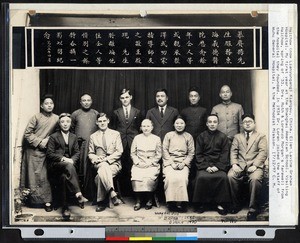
<point x="226" y="103"/>
<point x="164" y="107"/>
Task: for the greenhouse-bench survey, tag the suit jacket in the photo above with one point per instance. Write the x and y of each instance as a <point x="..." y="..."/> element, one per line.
<point x="56" y="148"/>
<point x="128" y="129"/>
<point x="114" y="148"/>
<point x="162" y="125"/>
<point x="255" y="153"/>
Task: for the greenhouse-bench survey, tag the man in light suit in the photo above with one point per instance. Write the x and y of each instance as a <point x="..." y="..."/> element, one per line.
<point x="163" y="115"/>
<point x="105" y="150"/>
<point x="62" y="158"/>
<point x="126" y="120"/>
<point x="248" y="155"/>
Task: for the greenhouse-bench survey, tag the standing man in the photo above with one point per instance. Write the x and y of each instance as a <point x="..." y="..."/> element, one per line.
<point x="163" y="115"/>
<point x="229" y="113"/>
<point x="211" y="182"/>
<point x="83" y="125"/>
<point x="105" y="150"/>
<point x="126" y="120"/>
<point x="195" y="115"/>
<point x="248" y="155"/>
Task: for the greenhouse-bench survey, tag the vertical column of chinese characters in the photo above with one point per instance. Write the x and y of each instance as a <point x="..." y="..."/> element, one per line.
<point x="189" y="45"/>
<point x="111" y="49"/>
<point x="126" y="48"/>
<point x="240" y="48"/>
<point x="72" y="47"/>
<point x="150" y="50"/>
<point x="98" y="46"/>
<point x="47" y="36"/>
<point x="163" y="48"/>
<point x="138" y="54"/>
<point x="85" y="48"/>
<point x="227" y="47"/>
<point x="215" y="47"/>
<point x="202" y="45"/>
<point x="177" y="46"/>
<point x="59" y="47"/>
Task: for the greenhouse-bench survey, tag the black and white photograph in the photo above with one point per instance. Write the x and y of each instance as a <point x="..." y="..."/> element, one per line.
<point x="140" y="115"/>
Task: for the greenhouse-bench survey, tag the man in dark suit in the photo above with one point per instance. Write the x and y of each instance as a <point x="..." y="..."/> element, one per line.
<point x="126" y="120"/>
<point x="62" y="156"/>
<point x="248" y="155"/>
<point x="163" y="115"/>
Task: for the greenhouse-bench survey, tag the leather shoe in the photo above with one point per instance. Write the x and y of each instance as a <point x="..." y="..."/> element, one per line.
<point x="181" y="208"/>
<point x="81" y="200"/>
<point x="251" y="216"/>
<point x="66" y="214"/>
<point x="100" y="207"/>
<point x="221" y="210"/>
<point x="137" y="207"/>
<point x="48" y="207"/>
<point x="200" y="209"/>
<point x="148" y="205"/>
<point x="116" y="201"/>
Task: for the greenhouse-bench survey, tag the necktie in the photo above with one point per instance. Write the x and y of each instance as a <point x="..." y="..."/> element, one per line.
<point x="162" y="112"/>
<point x="247" y="136"/>
<point x="104" y="142"/>
<point x="126" y="113"/>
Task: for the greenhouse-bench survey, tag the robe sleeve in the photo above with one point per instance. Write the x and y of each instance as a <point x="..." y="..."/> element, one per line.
<point x="158" y="150"/>
<point x="29" y="135"/>
<point x="241" y="112"/>
<point x="133" y="152"/>
<point x="223" y="162"/>
<point x="190" y="150"/>
<point x="201" y="161"/>
<point x="167" y="159"/>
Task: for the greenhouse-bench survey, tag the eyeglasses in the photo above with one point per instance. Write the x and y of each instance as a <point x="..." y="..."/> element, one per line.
<point x="64" y="114"/>
<point x="247" y="122"/>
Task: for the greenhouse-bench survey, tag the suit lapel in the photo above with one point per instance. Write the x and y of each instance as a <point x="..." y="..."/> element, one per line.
<point x="131" y="116"/>
<point x="243" y="140"/>
<point x="61" y="140"/>
<point x="108" y="138"/>
<point x="71" y="142"/>
<point x="121" y="114"/>
<point x="157" y="116"/>
<point x="251" y="140"/>
<point x="167" y="114"/>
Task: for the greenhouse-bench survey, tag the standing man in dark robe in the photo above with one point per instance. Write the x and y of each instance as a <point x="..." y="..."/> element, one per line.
<point x="212" y="161"/>
<point x="126" y="120"/>
<point x="162" y="115"/>
<point x="194" y="114"/>
<point x="83" y="125"/>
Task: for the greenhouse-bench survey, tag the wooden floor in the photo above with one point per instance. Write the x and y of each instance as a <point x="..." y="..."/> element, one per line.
<point x="125" y="215"/>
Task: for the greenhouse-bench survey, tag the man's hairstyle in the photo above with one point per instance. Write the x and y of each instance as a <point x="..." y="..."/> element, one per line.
<point x="250" y="115"/>
<point x="123" y="91"/>
<point x="101" y="115"/>
<point x="83" y="94"/>
<point x="194" y="88"/>
<point x="46" y="96"/>
<point x="161" y="90"/>
<point x="64" y="115"/>
<point x="212" y="115"/>
<point x="225" y="85"/>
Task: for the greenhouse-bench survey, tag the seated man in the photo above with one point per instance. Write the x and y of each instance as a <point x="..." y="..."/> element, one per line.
<point x="62" y="156"/>
<point x="212" y="162"/>
<point x="248" y="155"/>
<point x="105" y="150"/>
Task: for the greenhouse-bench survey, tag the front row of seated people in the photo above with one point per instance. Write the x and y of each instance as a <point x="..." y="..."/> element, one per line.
<point x="213" y="184"/>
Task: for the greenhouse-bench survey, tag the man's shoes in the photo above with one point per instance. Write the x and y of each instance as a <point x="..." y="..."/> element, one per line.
<point x="200" y="209"/>
<point x="148" y="205"/>
<point x="81" y="200"/>
<point x="100" y="207"/>
<point x="251" y="215"/>
<point x="137" y="206"/>
<point x="66" y="213"/>
<point x="181" y="207"/>
<point x="116" y="201"/>
<point x="221" y="210"/>
<point x="48" y="207"/>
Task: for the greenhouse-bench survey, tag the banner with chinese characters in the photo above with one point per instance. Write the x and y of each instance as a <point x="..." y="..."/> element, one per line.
<point x="134" y="48"/>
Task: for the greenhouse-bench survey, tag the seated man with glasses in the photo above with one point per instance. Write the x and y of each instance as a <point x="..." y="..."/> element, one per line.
<point x="62" y="158"/>
<point x="248" y="155"/>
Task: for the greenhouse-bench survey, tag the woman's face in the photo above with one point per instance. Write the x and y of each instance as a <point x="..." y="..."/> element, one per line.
<point x="146" y="127"/>
<point x="179" y="125"/>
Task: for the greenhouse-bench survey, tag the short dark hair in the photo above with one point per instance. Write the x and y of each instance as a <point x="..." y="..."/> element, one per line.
<point x="250" y="115"/>
<point x="123" y="91"/>
<point x="162" y="90"/>
<point x="46" y="96"/>
<point x="101" y="114"/>
<point x="64" y="115"/>
<point x="179" y="117"/>
<point x="212" y="115"/>
<point x="83" y="94"/>
<point x="194" y="88"/>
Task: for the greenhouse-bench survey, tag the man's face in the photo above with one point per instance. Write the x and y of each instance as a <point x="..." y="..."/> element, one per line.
<point x="86" y="102"/>
<point x="47" y="105"/>
<point x="248" y="124"/>
<point x="65" y="123"/>
<point x="125" y="99"/>
<point x="146" y="127"/>
<point x="194" y="97"/>
<point x="225" y="93"/>
<point x="102" y="123"/>
<point x="212" y="123"/>
<point x="179" y="125"/>
<point x="161" y="98"/>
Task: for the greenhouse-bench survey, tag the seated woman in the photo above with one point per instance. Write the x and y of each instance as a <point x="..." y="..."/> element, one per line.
<point x="178" y="152"/>
<point x="62" y="157"/>
<point x="145" y="154"/>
